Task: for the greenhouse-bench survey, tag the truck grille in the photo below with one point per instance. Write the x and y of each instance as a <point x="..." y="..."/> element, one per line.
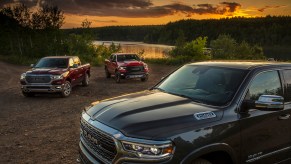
<point x="101" y="143"/>
<point x="135" y="69"/>
<point x="38" y="78"/>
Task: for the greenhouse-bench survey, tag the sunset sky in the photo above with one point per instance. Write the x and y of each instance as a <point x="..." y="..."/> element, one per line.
<point x="152" y="12"/>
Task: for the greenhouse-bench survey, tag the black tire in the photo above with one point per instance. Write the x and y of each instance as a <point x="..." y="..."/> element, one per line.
<point x="107" y="74"/>
<point x="117" y="77"/>
<point x="201" y="161"/>
<point x="144" y="79"/>
<point x="28" y="94"/>
<point x="85" y="81"/>
<point x="67" y="89"/>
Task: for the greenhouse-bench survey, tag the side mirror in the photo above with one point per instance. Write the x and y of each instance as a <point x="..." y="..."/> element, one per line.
<point x="31" y="65"/>
<point x="265" y="102"/>
<point x="141" y="59"/>
<point x="270" y="102"/>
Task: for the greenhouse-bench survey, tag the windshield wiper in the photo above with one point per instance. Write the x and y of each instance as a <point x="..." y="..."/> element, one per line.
<point x="185" y="96"/>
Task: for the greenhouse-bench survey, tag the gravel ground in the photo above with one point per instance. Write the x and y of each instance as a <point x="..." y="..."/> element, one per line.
<point x="45" y="128"/>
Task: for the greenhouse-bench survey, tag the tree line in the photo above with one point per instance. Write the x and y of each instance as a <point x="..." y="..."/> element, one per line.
<point x="271" y="32"/>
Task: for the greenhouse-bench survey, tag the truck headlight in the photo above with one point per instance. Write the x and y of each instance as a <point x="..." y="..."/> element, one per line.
<point x="57" y="77"/>
<point x="22" y="77"/>
<point x="149" y="151"/>
<point x="122" y="68"/>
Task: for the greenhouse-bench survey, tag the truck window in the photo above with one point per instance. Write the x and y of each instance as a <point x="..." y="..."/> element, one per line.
<point x="205" y="84"/>
<point x="287" y="77"/>
<point x="71" y="62"/>
<point x="77" y="61"/>
<point x="266" y="83"/>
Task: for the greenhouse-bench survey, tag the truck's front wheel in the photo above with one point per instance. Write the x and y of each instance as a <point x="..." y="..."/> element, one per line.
<point x="85" y="81"/>
<point x="67" y="89"/>
<point x="28" y="94"/>
<point x="117" y="77"/>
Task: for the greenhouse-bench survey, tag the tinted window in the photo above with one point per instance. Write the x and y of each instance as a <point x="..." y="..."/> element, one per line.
<point x="266" y="83"/>
<point x="287" y="77"/>
<point x="206" y="84"/>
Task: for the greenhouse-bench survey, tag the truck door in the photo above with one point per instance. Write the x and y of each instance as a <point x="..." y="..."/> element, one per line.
<point x="265" y="135"/>
<point x="287" y="97"/>
<point x="113" y="64"/>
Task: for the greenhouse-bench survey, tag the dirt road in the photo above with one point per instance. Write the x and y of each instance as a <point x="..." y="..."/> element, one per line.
<point x="45" y="129"/>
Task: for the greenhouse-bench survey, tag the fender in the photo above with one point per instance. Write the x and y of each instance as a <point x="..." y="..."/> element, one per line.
<point x="209" y="149"/>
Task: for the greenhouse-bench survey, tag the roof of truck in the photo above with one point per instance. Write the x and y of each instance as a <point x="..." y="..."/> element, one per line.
<point x="244" y="64"/>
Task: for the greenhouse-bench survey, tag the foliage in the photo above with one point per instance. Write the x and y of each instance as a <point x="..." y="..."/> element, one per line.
<point x="26" y="36"/>
<point x="225" y="47"/>
<point x="192" y="50"/>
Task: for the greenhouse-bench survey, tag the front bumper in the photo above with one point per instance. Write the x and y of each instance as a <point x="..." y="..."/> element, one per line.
<point x="133" y="75"/>
<point x="41" y="88"/>
<point x="88" y="155"/>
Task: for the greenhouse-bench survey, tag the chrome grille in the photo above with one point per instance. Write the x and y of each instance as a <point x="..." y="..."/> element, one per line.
<point x="38" y="78"/>
<point x="98" y="141"/>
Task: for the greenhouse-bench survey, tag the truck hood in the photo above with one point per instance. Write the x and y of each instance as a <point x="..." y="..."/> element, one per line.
<point x="151" y="114"/>
<point x="51" y="71"/>
<point x="131" y="63"/>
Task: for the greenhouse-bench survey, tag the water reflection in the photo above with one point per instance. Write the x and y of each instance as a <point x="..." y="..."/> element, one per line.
<point x="150" y="50"/>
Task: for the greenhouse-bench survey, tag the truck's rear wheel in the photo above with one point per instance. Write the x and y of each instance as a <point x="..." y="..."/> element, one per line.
<point x="107" y="74"/>
<point x="28" y="94"/>
<point x="85" y="81"/>
<point x="67" y="89"/>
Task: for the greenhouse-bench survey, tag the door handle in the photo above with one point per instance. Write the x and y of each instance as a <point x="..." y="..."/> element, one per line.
<point x="284" y="117"/>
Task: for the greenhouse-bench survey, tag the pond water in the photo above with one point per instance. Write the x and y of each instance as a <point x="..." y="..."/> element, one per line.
<point x="150" y="50"/>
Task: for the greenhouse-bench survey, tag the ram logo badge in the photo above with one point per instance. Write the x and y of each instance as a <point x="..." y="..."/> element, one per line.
<point x="204" y="115"/>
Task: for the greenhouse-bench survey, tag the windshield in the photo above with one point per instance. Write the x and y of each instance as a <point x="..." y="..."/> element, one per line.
<point x="204" y="84"/>
<point x="127" y="57"/>
<point x="52" y="63"/>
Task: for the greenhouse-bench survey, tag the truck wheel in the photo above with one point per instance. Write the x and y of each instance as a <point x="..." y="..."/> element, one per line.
<point x="28" y="94"/>
<point x="85" y="81"/>
<point x="67" y="89"/>
<point x="107" y="74"/>
<point x="201" y="161"/>
<point x="144" y="79"/>
<point x="117" y="77"/>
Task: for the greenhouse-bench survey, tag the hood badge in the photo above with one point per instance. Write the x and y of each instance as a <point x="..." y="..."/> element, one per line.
<point x="204" y="115"/>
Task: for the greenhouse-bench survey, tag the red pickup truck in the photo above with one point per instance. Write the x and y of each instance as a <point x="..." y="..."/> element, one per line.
<point x="55" y="74"/>
<point x="126" y="66"/>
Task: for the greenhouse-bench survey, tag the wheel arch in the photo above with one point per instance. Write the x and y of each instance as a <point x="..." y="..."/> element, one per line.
<point x="210" y="149"/>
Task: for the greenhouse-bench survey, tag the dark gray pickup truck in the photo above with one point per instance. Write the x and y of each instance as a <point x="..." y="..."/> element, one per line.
<point x="203" y="113"/>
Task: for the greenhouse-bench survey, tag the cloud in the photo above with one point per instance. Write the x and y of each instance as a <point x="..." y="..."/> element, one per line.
<point x="269" y="7"/>
<point x="131" y="8"/>
<point x="223" y="8"/>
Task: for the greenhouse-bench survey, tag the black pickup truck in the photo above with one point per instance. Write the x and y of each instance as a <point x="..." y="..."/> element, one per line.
<point x="203" y="113"/>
